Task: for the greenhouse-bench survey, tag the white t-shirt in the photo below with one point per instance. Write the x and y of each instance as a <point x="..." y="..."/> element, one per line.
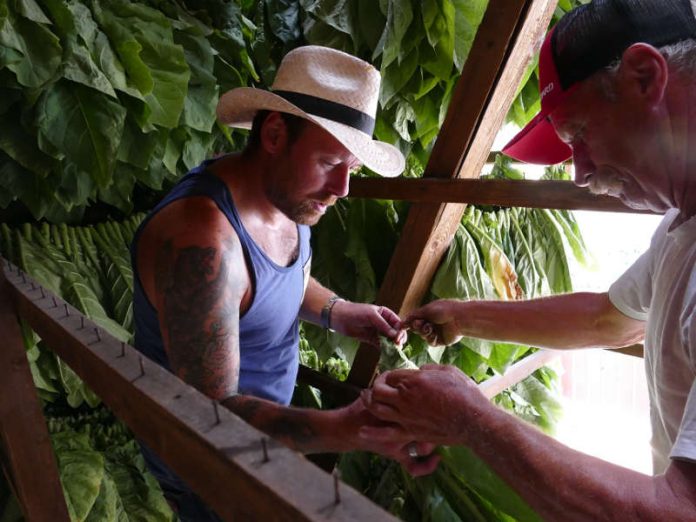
<point x="660" y="288"/>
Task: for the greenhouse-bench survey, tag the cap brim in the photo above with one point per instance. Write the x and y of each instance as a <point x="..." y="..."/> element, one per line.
<point x="538" y="143"/>
<point x="238" y="107"/>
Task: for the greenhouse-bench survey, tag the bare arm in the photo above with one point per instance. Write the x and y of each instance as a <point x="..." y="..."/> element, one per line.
<point x="558" y="482"/>
<point x="577" y="320"/>
<point x="198" y="281"/>
<point x="362" y="321"/>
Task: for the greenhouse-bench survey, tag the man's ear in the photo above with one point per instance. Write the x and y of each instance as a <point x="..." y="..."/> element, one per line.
<point x="274" y="133"/>
<point x="644" y="72"/>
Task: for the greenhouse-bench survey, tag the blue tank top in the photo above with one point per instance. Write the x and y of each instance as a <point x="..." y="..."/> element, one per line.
<point x="268" y="330"/>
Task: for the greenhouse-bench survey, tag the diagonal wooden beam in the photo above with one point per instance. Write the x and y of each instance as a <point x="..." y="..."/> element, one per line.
<point x="502" y="48"/>
<point x="28" y="460"/>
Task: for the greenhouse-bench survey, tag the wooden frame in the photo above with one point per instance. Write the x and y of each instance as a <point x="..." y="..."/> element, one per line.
<point x="503" y="45"/>
<point x="212" y="449"/>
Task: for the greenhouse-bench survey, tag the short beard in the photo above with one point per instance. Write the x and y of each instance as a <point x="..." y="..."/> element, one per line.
<point x="303" y="214"/>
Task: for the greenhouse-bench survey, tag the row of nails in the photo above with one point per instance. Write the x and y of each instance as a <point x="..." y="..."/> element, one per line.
<point x="264" y="445"/>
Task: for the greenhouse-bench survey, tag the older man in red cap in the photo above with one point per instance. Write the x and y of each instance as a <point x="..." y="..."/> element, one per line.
<point x="618" y="87"/>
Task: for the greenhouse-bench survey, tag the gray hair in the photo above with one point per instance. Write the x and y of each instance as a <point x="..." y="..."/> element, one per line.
<point x="680" y="57"/>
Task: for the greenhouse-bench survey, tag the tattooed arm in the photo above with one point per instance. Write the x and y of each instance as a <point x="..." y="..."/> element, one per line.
<point x="193" y="269"/>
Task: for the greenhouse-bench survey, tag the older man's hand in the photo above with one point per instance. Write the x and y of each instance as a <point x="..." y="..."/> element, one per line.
<point x="434" y="403"/>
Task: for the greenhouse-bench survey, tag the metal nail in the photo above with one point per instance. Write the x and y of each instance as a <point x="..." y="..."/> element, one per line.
<point x="82" y="322"/>
<point x="96" y="331"/>
<point x="123" y="349"/>
<point x="337" y="495"/>
<point x="55" y="304"/>
<point x="43" y="294"/>
<point x="67" y="312"/>
<point x="265" y="450"/>
<point x="217" y="413"/>
<point x="24" y="278"/>
<point x="33" y="286"/>
<point x="142" y="368"/>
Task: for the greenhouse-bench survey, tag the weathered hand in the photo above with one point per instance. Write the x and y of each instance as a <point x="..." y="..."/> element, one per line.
<point x="436" y="322"/>
<point x="435" y="403"/>
<point x="418" y="458"/>
<point x="367" y="322"/>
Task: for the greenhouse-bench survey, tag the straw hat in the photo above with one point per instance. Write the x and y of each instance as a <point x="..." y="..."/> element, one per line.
<point x="335" y="90"/>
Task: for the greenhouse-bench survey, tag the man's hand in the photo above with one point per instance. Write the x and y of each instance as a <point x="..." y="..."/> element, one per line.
<point x="434" y="403"/>
<point x="367" y="322"/>
<point x="436" y="322"/>
<point x="418" y="458"/>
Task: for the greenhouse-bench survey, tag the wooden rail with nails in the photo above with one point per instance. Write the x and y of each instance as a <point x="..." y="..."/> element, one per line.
<point x="240" y="472"/>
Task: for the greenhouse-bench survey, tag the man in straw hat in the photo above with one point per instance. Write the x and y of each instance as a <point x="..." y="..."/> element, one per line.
<point x="618" y="86"/>
<point x="222" y="263"/>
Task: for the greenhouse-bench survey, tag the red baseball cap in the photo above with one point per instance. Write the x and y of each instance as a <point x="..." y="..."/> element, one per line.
<point x="584" y="41"/>
<point x="538" y="142"/>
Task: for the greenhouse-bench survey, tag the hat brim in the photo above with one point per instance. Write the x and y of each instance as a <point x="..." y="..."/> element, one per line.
<point x="238" y="107"/>
<point x="538" y="143"/>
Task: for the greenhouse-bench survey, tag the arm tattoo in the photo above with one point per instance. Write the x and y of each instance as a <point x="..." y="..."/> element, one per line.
<point x="201" y="315"/>
<point x="289" y="425"/>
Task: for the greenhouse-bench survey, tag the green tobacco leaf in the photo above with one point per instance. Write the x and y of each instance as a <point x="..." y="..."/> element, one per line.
<point x="145" y="45"/>
<point x="107" y="506"/>
<point x="284" y="19"/>
<point x="81" y="471"/>
<point x="76" y="186"/>
<point x="396" y="75"/>
<point x="399" y="18"/>
<point x="196" y="147"/>
<point x="74" y="25"/>
<point x="31" y="10"/>
<point x="30" y="50"/>
<point x="478" y="476"/>
<point x="467" y="18"/>
<point x="20" y="145"/>
<point x="139" y="491"/>
<point x="202" y="95"/>
<point x="84" y="124"/>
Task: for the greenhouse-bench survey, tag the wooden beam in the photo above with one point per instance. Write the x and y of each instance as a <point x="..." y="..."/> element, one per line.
<point x="517" y="372"/>
<point x="504" y="193"/>
<point x="502" y="48"/>
<point x="220" y="456"/>
<point x="341" y="391"/>
<point x="28" y="458"/>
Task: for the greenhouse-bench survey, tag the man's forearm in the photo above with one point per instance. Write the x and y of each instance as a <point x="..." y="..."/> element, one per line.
<point x="578" y="320"/>
<point x="303" y="429"/>
<point x="316" y="296"/>
<point x="562" y="484"/>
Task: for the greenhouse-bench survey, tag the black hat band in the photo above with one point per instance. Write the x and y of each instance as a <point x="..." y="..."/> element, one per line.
<point x="330" y="110"/>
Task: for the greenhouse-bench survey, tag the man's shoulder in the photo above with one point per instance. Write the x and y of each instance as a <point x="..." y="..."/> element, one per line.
<point x="195" y="219"/>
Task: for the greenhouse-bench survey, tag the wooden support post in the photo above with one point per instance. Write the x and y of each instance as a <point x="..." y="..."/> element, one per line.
<point x="28" y="458"/>
<point x="502" y="48"/>
<point x="517" y="372"/>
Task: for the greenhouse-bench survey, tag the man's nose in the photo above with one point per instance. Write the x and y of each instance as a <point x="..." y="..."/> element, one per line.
<point x="339" y="181"/>
<point x="584" y="167"/>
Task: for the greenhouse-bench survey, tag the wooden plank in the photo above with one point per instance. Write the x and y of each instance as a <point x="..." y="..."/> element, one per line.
<point x="502" y="48"/>
<point x="504" y="193"/>
<point x="342" y="391"/>
<point x="28" y="458"/>
<point x="517" y="372"/>
<point x="220" y="456"/>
